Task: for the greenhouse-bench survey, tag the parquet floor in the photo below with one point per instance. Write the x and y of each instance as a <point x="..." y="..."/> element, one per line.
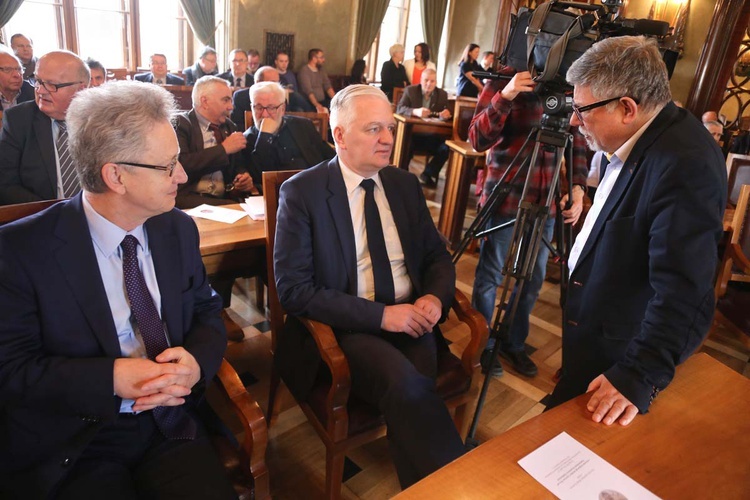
<point x="295" y="455"/>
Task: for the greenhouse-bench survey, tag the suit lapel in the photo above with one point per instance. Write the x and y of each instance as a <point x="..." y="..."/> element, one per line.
<point x="43" y="132"/>
<point x="164" y="247"/>
<point x="195" y="129"/>
<point x="78" y="264"/>
<point x="338" y="204"/>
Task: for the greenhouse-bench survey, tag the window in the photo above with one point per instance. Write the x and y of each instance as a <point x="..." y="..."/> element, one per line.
<point x="402" y="24"/>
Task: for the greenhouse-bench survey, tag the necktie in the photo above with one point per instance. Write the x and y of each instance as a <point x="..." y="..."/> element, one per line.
<point x="217" y="133"/>
<point x="159" y="82"/>
<point x="172" y="421"/>
<point x="603" y="166"/>
<point x="381" y="264"/>
<point x="239" y="82"/>
<point x="68" y="174"/>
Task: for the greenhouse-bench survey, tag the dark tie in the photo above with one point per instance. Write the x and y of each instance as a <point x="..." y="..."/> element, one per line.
<point x="239" y="82"/>
<point x="159" y="82"/>
<point x="173" y="421"/>
<point x="603" y="167"/>
<point x="68" y="174"/>
<point x="381" y="264"/>
<point x="217" y="133"/>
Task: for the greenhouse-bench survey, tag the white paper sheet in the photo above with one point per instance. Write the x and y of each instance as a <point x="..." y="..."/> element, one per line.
<point x="573" y="472"/>
<point x="255" y="207"/>
<point x="217" y="213"/>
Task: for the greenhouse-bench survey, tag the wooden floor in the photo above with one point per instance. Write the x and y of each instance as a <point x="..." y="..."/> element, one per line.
<point x="296" y="457"/>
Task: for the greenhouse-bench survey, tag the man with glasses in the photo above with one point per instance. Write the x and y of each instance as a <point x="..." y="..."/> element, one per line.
<point x="505" y="115"/>
<point x="238" y="75"/>
<point x="159" y="74"/>
<point x="277" y="141"/>
<point x="110" y="330"/>
<point x="241" y="97"/>
<point x="35" y="162"/>
<point x="641" y="297"/>
<point x="205" y="65"/>
<point x="24" y="49"/>
<point x="13" y="88"/>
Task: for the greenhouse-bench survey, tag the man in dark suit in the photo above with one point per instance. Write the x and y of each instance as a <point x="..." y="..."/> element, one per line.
<point x="356" y="248"/>
<point x="159" y="74"/>
<point x="238" y="76"/>
<point x="241" y="97"/>
<point x="34" y="160"/>
<point x="205" y="65"/>
<point x="24" y="49"/>
<point x="640" y="298"/>
<point x="209" y="143"/>
<point x="105" y="348"/>
<point x="13" y="88"/>
<point x="277" y="141"/>
<point x="427" y="101"/>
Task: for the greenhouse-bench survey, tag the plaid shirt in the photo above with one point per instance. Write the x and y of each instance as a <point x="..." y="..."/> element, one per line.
<point x="502" y="127"/>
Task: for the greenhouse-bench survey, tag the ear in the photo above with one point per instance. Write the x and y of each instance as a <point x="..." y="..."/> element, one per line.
<point x="630" y="108"/>
<point x="338" y="137"/>
<point x="112" y="177"/>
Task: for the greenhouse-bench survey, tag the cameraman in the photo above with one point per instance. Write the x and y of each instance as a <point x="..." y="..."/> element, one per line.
<point x="505" y="114"/>
<point x="641" y="297"/>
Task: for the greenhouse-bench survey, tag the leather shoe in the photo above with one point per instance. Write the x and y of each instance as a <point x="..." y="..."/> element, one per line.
<point x="520" y="361"/>
<point x="485" y="359"/>
<point x="427" y="180"/>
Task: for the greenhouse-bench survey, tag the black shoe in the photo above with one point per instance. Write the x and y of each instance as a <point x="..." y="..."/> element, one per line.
<point x="484" y="360"/>
<point x="520" y="361"/>
<point x="427" y="180"/>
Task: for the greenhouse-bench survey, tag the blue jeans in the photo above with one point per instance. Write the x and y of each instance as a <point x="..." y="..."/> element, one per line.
<point x="489" y="276"/>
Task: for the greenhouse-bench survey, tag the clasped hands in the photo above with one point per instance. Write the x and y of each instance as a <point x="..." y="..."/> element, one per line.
<point x="162" y="382"/>
<point x="413" y="319"/>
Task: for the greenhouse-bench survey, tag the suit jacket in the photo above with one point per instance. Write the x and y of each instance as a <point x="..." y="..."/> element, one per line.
<point x="198" y="161"/>
<point x="58" y="341"/>
<point x="262" y="154"/>
<point x="412" y="99"/>
<point x="316" y="268"/>
<point x="25" y="94"/>
<point x="227" y="75"/>
<point x="194" y="72"/>
<point x="641" y="297"/>
<point x="241" y="103"/>
<point x="149" y="78"/>
<point x="28" y="169"/>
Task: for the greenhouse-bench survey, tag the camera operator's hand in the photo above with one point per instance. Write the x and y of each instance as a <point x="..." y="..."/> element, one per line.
<point x="521" y="82"/>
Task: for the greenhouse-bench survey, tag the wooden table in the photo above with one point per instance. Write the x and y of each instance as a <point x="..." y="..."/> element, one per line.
<point x="406" y="127"/>
<point x="694" y="443"/>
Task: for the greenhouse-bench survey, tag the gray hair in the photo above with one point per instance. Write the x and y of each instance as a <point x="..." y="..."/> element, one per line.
<point x="203" y="86"/>
<point x="206" y="51"/>
<point x="267" y="88"/>
<point x="113" y="123"/>
<point x="397" y="47"/>
<point x="624" y="66"/>
<point x="10" y="53"/>
<point x="713" y="123"/>
<point x="341" y="108"/>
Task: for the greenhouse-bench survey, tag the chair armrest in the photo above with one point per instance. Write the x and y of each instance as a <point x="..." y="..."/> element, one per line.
<point x="479" y="332"/>
<point x="739" y="259"/>
<point x="253" y="423"/>
<point x="341" y="382"/>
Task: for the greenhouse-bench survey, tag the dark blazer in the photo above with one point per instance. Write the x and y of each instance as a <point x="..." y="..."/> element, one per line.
<point x="149" y="78"/>
<point x="316" y="268"/>
<point x="391" y="76"/>
<point x="28" y="169"/>
<point x="261" y="154"/>
<point x="198" y="161"/>
<point x="412" y="99"/>
<point x="241" y="103"/>
<point x="227" y="75"/>
<point x="194" y="72"/>
<point x="58" y="341"/>
<point x="641" y="297"/>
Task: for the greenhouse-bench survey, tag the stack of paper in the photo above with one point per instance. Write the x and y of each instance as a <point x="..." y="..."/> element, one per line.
<point x="219" y="214"/>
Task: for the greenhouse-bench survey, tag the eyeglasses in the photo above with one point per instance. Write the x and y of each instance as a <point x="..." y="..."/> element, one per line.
<point x="579" y="110"/>
<point x="52" y="87"/>
<point x="164" y="168"/>
<point x="271" y="109"/>
<point x="9" y="70"/>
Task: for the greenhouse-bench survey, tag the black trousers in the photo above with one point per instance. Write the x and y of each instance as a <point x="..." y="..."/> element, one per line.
<point x="436" y="148"/>
<point x="396" y="373"/>
<point x="130" y="459"/>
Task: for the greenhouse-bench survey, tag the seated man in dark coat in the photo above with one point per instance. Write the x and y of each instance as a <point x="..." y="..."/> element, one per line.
<point x="205" y="65"/>
<point x="158" y="74"/>
<point x="277" y="141"/>
<point x="13" y="88"/>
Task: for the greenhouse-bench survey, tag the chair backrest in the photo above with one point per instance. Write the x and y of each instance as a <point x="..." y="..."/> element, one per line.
<point x="10" y="213"/>
<point x="463" y="112"/>
<point x="741" y="220"/>
<point x="738" y="175"/>
<point x="320" y="120"/>
<point x="397" y="93"/>
<point x="271" y="185"/>
<point x="249" y="120"/>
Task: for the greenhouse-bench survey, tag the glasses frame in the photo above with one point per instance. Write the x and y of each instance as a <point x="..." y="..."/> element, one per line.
<point x="271" y="109"/>
<point x="579" y="110"/>
<point x="164" y="168"/>
<point x="9" y="71"/>
<point x="56" y="86"/>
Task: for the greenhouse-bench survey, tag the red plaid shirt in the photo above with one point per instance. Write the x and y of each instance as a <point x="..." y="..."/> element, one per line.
<point x="502" y="126"/>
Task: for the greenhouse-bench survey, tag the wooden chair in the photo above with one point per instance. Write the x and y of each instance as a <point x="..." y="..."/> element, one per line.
<point x="320" y="120"/>
<point x="344" y="423"/>
<point x="463" y="112"/>
<point x="244" y="463"/>
<point x="738" y="174"/>
<point x="397" y="93"/>
<point x="249" y="120"/>
<point x="733" y="281"/>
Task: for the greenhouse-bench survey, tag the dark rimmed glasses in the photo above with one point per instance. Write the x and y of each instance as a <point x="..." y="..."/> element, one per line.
<point x="52" y="87"/>
<point x="271" y="109"/>
<point x="164" y="168"/>
<point x="579" y="110"/>
<point x="9" y="70"/>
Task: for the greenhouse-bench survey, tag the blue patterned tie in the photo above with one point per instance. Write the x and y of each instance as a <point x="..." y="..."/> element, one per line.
<point x="173" y="421"/>
<point x="68" y="175"/>
<point x="381" y="264"/>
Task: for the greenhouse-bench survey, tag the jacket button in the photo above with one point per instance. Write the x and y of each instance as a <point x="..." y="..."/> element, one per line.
<point x="577" y="283"/>
<point x="572" y="323"/>
<point x="65" y="462"/>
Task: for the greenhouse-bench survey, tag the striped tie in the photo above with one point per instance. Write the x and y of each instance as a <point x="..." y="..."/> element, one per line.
<point x="68" y="174"/>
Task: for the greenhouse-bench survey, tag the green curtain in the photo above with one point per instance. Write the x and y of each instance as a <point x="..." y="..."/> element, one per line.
<point x="7" y="9"/>
<point x="202" y="18"/>
<point x="433" y="18"/>
<point x="369" y="18"/>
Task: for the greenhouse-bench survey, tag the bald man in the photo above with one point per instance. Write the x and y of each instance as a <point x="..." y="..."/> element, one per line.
<point x="34" y="160"/>
<point x="13" y="88"/>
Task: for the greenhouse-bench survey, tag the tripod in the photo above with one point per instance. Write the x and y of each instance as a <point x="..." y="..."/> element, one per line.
<point x="528" y="228"/>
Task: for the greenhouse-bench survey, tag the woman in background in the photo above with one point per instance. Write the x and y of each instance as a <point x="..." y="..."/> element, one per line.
<point x="357" y="75"/>
<point x="466" y="84"/>
<point x="414" y="67"/>
<point x="393" y="73"/>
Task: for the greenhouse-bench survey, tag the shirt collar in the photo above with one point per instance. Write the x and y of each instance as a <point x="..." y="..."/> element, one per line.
<point x="108" y="236"/>
<point x="623" y="152"/>
<point x="202" y="121"/>
<point x="352" y="180"/>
